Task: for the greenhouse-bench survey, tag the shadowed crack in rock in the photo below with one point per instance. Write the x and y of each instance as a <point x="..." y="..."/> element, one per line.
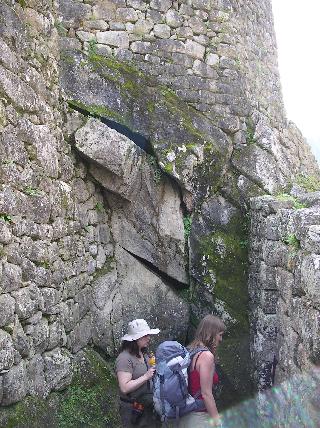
<point x="172" y="282"/>
<point x="135" y="137"/>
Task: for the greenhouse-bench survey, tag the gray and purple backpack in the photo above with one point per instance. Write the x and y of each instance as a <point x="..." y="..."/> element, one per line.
<point x="171" y="397"/>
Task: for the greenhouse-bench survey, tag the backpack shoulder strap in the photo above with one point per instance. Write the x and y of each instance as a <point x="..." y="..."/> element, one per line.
<point x="195" y="351"/>
<point x="195" y="363"/>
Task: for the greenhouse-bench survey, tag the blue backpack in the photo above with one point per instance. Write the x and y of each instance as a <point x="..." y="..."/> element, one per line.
<point x="171" y="397"/>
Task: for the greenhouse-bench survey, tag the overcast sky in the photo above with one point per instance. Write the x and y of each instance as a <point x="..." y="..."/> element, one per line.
<point x="297" y="25"/>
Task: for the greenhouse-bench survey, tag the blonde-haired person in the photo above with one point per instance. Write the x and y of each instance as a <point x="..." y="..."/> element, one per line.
<point x="202" y="375"/>
<point x="135" y="376"/>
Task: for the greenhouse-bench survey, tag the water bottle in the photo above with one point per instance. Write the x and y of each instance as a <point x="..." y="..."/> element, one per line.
<point x="152" y="360"/>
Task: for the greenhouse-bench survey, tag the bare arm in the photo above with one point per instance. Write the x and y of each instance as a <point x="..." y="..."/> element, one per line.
<point x="206" y="369"/>
<point x="127" y="384"/>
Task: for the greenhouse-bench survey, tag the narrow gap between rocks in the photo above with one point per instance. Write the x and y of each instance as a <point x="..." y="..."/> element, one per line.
<point x="146" y="146"/>
<point x="172" y="282"/>
<point x="135" y="137"/>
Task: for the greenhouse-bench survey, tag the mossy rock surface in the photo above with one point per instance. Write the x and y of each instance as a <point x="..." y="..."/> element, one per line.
<point x="234" y="371"/>
<point x="220" y="259"/>
<point x="219" y="245"/>
<point x="227" y="257"/>
<point x="178" y="133"/>
<point x="90" y="401"/>
<point x="239" y="189"/>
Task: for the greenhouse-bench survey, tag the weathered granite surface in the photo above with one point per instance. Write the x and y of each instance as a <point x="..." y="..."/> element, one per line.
<point x="66" y="266"/>
<point x="284" y="287"/>
<point x="90" y="400"/>
<point x="147" y="218"/>
<point x="95" y="231"/>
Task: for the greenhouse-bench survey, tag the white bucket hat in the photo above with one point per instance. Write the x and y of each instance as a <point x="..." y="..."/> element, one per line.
<point x="137" y="329"/>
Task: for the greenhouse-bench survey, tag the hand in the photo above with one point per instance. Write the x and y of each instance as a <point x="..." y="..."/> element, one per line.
<point x="216" y="421"/>
<point x="150" y="373"/>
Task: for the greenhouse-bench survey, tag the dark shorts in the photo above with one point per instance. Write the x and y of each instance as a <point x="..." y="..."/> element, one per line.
<point x="148" y="418"/>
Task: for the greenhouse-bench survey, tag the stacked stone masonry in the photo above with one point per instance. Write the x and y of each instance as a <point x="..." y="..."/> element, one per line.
<point x="61" y="268"/>
<point x="219" y="56"/>
<point x="52" y="237"/>
<point x="76" y="246"/>
<point x="284" y="287"/>
<point x="200" y="48"/>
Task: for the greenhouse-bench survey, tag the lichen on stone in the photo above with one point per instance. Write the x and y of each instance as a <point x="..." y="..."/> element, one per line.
<point x="155" y="111"/>
<point x="91" y="400"/>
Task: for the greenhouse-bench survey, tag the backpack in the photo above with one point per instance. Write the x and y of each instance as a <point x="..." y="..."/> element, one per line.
<point x="171" y="397"/>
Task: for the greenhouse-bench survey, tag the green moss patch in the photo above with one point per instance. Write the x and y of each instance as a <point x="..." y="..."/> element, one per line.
<point x="234" y="363"/>
<point x="97" y="110"/>
<point x="221" y="258"/>
<point x="222" y="261"/>
<point x="126" y="75"/>
<point x="226" y="258"/>
<point x="139" y="102"/>
<point x="250" y="133"/>
<point x="90" y="401"/>
<point x="187" y="220"/>
<point x="209" y="177"/>
<point x="29" y="413"/>
<point x="308" y="182"/>
<point x="109" y="266"/>
<point x="296" y="204"/>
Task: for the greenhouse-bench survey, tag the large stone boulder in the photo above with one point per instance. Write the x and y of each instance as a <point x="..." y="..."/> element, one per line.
<point x="130" y="290"/>
<point x="182" y="138"/>
<point x="147" y="218"/>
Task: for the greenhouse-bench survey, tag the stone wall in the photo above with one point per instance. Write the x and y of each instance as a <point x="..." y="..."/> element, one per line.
<point x="218" y="56"/>
<point x="216" y="124"/>
<point x="92" y="224"/>
<point x="284" y="286"/>
<point x="199" y="48"/>
<point x="39" y="212"/>
<point x="67" y="278"/>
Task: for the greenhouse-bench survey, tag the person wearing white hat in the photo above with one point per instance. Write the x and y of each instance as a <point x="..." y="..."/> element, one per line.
<point x="134" y="376"/>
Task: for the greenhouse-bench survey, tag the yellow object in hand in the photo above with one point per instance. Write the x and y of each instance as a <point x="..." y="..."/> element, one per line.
<point x="152" y="360"/>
